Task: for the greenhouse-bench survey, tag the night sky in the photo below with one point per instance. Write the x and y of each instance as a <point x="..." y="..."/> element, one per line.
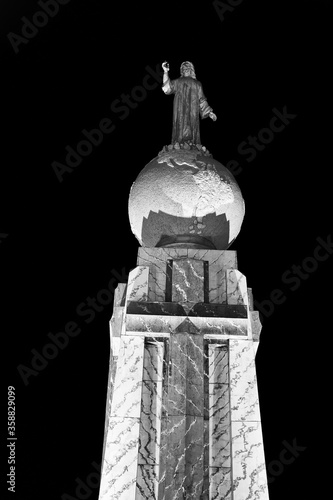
<point x="62" y="242"/>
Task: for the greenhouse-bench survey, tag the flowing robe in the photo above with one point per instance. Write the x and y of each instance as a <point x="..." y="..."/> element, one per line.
<point x="189" y="104"/>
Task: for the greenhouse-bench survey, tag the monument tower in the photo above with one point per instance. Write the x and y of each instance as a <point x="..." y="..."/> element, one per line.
<point x="182" y="414"/>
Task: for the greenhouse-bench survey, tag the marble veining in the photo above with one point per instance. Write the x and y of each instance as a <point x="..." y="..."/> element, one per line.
<point x="218" y="405"/>
<point x="183" y="455"/>
<point x="244" y="399"/>
<point x="220" y="486"/>
<point x="137" y="289"/>
<point x="188" y="280"/>
<point x="249" y="472"/>
<point x="156" y="258"/>
<point x="151" y="414"/>
<point x="236" y="287"/>
<point x="217" y="284"/>
<point x="126" y="400"/>
<point x="218" y="363"/>
<point x="147" y="483"/>
<point x="152" y="324"/>
<point x="154" y="362"/>
<point x="152" y="403"/>
<point x="225" y="327"/>
<point x="118" y="480"/>
<point x="157" y="284"/>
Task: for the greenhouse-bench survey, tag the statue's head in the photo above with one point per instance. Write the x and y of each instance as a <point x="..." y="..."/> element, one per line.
<point x="187" y="69"/>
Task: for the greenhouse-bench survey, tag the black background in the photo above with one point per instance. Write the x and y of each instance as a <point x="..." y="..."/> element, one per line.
<point x="64" y="239"/>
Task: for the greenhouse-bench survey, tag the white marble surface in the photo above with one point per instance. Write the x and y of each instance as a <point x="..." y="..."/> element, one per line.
<point x="116" y="321"/>
<point x="236" y="288"/>
<point x="222" y="326"/>
<point x="150" y="324"/>
<point x="248" y="461"/>
<point x="126" y="400"/>
<point x="119" y="470"/>
<point x="119" y="295"/>
<point x="137" y="288"/>
<point x="255" y="325"/>
<point x="244" y="401"/>
<point x="248" y="465"/>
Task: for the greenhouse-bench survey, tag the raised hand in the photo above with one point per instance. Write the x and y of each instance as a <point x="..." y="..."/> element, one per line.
<point x="165" y="66"/>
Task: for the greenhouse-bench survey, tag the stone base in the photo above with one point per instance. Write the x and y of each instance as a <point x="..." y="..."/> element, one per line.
<point x="188" y="146"/>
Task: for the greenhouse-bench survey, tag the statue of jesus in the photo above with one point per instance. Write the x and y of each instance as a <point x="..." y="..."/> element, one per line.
<point x="189" y="103"/>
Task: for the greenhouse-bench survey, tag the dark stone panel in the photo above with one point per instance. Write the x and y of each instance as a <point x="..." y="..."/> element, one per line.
<point x="175" y="309"/>
<point x="187" y="326"/>
<point x="168" y="282"/>
<point x="188" y="281"/>
<point x="155" y="308"/>
<point x="219" y="310"/>
<point x="206" y="281"/>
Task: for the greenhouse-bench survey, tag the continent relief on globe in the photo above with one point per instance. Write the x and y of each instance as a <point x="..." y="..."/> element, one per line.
<point x="184" y="197"/>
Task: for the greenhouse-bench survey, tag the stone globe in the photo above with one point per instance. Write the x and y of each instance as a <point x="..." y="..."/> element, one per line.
<point x="186" y="198"/>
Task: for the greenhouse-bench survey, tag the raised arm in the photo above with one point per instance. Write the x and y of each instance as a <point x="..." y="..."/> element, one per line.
<point x="166" y="68"/>
<point x="167" y="87"/>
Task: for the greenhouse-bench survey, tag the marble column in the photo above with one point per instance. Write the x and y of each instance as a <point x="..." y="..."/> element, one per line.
<point x="248" y="460"/>
<point x="219" y="435"/>
<point x="149" y="458"/>
<point x="120" y="461"/>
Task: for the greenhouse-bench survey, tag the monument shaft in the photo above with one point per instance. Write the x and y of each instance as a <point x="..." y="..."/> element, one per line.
<point x="182" y="418"/>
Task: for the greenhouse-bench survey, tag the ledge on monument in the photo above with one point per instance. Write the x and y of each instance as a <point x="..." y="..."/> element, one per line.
<point x="200" y="309"/>
<point x="185" y="241"/>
